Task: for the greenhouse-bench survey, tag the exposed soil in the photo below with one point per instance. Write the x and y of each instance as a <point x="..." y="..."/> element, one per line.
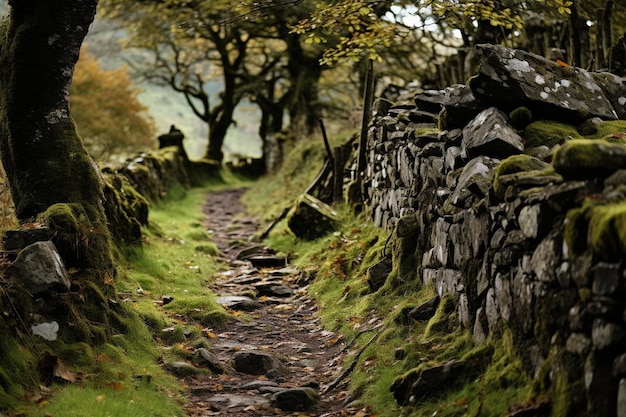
<point x="279" y="319"/>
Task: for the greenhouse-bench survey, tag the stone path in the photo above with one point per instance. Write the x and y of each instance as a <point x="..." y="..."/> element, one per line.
<point x="274" y="358"/>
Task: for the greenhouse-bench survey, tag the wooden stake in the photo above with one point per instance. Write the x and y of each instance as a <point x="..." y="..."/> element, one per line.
<point x="367" y="115"/>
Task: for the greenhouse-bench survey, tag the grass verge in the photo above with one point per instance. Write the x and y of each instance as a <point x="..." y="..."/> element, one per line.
<point x="124" y="377"/>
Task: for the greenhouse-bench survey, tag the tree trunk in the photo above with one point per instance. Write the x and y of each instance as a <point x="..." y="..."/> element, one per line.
<point x="303" y="98"/>
<point x="217" y="134"/>
<point x="52" y="177"/>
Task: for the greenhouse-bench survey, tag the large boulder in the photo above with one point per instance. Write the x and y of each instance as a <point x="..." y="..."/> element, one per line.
<point x="310" y="218"/>
<point x="511" y="77"/>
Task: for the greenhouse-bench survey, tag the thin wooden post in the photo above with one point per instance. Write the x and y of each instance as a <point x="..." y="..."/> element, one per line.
<point x="367" y="115"/>
<point x="338" y="175"/>
<point x="329" y="154"/>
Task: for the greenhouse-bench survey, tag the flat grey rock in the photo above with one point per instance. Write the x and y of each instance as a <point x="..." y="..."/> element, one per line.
<point x="237" y="302"/>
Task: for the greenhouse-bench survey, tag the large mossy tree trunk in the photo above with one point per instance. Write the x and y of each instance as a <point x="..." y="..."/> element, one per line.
<point x="52" y="177"/>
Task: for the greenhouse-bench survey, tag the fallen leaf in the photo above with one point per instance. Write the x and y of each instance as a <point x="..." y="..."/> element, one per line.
<point x="108" y="279"/>
<point x="116" y="386"/>
<point x="100" y="398"/>
<point x="561" y="63"/>
<point x="103" y="358"/>
<point x="60" y="371"/>
<point x="462" y="401"/>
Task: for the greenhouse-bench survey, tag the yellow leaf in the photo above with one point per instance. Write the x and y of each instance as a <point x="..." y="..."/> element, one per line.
<point x="100" y="398"/>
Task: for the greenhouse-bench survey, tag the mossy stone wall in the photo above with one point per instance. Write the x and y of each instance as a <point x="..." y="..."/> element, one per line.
<point x="534" y="247"/>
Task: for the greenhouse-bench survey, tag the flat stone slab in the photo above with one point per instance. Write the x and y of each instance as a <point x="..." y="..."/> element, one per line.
<point x="258" y="384"/>
<point x="273" y="289"/>
<point x="268" y="261"/>
<point x="238" y="400"/>
<point x="514" y="77"/>
<point x="236" y="302"/>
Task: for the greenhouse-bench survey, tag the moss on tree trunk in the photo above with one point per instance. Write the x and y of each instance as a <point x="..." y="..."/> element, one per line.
<point x="51" y="175"/>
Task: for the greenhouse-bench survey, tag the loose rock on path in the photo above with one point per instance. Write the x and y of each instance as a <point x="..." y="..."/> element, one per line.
<point x="274" y="357"/>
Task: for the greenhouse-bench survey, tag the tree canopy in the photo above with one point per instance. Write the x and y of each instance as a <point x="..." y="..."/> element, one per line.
<point x="250" y="51"/>
<point x="276" y="52"/>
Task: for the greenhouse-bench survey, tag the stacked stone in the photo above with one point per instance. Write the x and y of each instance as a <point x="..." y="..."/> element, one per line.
<point x="393" y="151"/>
<point x="512" y="241"/>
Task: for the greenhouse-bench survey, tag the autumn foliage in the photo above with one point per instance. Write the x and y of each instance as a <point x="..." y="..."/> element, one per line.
<point x="108" y="114"/>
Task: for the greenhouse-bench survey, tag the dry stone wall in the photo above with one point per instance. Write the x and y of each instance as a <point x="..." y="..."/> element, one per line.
<point x="512" y="190"/>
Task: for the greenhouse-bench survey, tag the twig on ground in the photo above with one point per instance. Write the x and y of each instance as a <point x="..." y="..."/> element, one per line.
<point x="350" y="368"/>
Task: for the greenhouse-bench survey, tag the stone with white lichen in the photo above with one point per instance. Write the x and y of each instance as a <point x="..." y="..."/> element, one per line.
<point x="511" y="77"/>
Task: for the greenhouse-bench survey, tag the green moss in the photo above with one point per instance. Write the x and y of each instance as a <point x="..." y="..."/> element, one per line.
<point x="506" y="369"/>
<point x="406" y="262"/>
<point x="553" y="309"/>
<point x="208" y="249"/>
<point x="548" y="133"/>
<point x="613" y="131"/>
<point x="18" y="370"/>
<point x="521" y="117"/>
<point x="517" y="164"/>
<point x="425" y="131"/>
<point x="81" y="242"/>
<point x="137" y="203"/>
<point x="560" y="380"/>
<point x="198" y="235"/>
<point x="588" y="158"/>
<point x="79" y="354"/>
<point x="576" y="226"/>
<point x="71" y="225"/>
<point x="443" y="320"/>
<point x="607" y="230"/>
<point x="203" y="309"/>
<point x="173" y="335"/>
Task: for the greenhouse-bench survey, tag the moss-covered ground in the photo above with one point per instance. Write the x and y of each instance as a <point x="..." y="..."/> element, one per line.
<point x="123" y="377"/>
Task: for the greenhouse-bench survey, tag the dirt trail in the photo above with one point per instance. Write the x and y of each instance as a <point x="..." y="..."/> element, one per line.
<point x="274" y="343"/>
